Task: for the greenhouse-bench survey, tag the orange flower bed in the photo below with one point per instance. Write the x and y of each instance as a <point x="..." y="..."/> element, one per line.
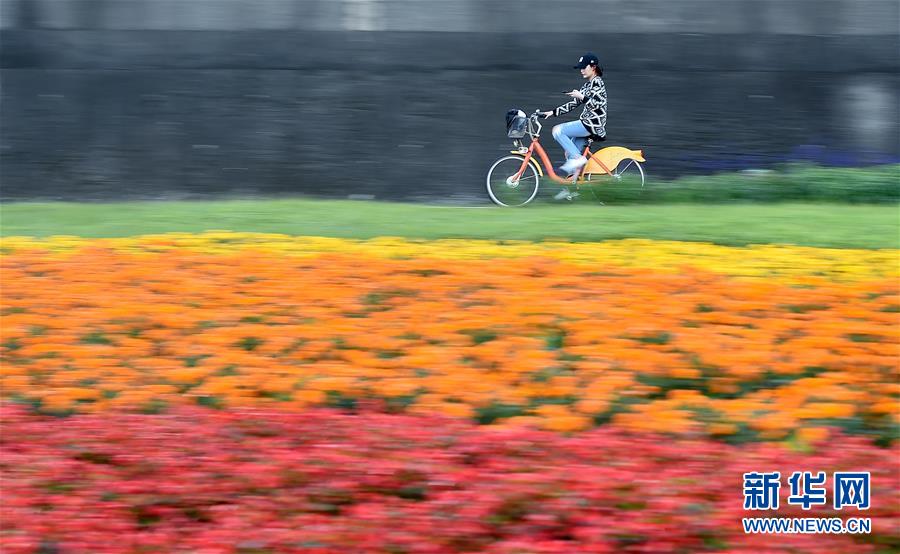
<point x="556" y="344"/>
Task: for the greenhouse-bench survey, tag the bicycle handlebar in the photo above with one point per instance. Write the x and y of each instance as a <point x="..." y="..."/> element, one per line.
<point x="535" y="119"/>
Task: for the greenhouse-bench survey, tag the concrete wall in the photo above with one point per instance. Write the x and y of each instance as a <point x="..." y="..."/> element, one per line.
<point x="405" y="98"/>
<point x="792" y="17"/>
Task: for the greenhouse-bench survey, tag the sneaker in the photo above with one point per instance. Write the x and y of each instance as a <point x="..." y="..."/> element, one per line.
<point x="564" y="194"/>
<point x="573" y="164"/>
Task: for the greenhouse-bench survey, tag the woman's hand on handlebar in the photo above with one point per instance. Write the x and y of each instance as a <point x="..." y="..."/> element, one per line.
<point x="545" y="115"/>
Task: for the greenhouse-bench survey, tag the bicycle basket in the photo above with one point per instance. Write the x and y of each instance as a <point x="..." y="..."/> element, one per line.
<point x="516" y="124"/>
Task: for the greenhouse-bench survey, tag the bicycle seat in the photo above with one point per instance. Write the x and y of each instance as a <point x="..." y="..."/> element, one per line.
<point x="595" y="138"/>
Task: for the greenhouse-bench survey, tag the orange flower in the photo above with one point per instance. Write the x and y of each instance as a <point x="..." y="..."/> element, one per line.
<point x="292" y="326"/>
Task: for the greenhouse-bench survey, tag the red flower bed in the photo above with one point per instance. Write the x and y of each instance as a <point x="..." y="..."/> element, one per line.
<point x="205" y="481"/>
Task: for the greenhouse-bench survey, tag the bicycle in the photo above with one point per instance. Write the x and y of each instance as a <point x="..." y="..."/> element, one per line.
<point x="515" y="180"/>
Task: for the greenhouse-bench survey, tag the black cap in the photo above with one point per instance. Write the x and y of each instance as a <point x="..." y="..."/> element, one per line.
<point x="586" y="60"/>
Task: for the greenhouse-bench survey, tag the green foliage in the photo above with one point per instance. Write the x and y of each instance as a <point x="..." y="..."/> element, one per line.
<point x="480" y="336"/>
<point x="95" y="338"/>
<point x="791" y="183"/>
<point x="250" y="343"/>
<point x="488" y="414"/>
<point x="210" y="401"/>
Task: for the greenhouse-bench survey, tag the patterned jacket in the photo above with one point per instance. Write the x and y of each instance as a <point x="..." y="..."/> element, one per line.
<point x="594" y="114"/>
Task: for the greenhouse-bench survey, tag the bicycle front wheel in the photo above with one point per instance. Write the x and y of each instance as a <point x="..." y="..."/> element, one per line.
<point x="503" y="187"/>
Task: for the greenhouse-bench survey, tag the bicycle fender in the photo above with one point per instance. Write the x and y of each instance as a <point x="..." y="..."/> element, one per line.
<point x="608" y="158"/>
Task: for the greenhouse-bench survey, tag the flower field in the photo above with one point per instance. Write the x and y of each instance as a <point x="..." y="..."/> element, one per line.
<point x="253" y="481"/>
<point x="225" y="392"/>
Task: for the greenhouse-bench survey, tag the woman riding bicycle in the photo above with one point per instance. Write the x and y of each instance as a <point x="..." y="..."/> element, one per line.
<point x="572" y="136"/>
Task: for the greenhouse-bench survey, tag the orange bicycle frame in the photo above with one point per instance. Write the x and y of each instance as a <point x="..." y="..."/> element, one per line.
<point x="548" y="166"/>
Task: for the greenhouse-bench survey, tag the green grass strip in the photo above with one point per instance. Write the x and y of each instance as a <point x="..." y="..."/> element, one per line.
<point x="823" y="225"/>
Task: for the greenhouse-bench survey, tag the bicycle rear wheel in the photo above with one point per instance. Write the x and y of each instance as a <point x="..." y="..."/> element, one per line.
<point x="504" y="189"/>
<point x="629" y="174"/>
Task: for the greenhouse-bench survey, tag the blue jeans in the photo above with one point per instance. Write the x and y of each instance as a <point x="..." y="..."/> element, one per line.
<point x="572" y="136"/>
